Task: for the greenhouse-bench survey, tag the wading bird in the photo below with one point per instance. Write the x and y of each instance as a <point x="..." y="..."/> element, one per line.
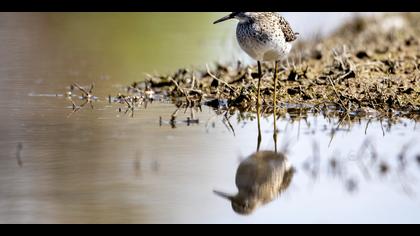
<point x="265" y="36"/>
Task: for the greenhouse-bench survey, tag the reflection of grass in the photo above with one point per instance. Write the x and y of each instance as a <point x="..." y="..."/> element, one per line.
<point x="367" y="164"/>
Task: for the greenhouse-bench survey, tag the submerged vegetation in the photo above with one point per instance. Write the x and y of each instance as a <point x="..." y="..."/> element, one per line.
<point x="370" y="67"/>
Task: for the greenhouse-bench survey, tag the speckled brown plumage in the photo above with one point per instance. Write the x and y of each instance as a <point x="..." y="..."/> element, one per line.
<point x="287" y="30"/>
<point x="265" y="36"/>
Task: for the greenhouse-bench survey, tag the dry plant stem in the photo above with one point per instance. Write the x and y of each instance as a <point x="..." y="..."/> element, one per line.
<point x="181" y="90"/>
<point x="219" y="80"/>
<point x="336" y="93"/>
<point x="81" y="89"/>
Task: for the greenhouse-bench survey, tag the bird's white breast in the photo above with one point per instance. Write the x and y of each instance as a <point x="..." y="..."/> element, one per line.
<point x="262" y="45"/>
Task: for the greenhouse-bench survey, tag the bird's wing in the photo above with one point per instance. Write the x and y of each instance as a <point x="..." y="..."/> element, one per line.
<point x="287" y="30"/>
<point x="247" y="175"/>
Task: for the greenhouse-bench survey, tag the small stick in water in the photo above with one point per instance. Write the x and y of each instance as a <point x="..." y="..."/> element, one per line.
<point x="18" y="155"/>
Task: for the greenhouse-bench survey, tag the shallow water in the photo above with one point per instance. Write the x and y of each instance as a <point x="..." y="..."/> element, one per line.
<point x="101" y="165"/>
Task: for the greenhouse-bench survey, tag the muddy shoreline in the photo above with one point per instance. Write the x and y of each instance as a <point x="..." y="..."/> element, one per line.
<point x="370" y="67"/>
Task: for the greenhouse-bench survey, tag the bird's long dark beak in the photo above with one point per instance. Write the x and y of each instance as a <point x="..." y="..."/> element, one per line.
<point x="223" y="195"/>
<point x="228" y="17"/>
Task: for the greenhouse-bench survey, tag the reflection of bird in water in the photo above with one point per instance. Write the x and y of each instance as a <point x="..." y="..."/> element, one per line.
<point x="260" y="179"/>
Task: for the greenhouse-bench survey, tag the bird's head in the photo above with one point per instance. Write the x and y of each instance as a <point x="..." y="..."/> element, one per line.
<point x="241" y="203"/>
<point x="241" y="16"/>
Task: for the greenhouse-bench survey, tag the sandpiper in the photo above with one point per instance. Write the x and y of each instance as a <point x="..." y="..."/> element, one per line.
<point x="265" y="36"/>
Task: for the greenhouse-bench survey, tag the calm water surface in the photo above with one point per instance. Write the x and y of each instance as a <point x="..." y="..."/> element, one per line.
<point x="104" y="166"/>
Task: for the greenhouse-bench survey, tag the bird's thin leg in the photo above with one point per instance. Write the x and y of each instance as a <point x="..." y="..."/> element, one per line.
<point x="259" y="132"/>
<point x="275" y="84"/>
<point x="259" y="84"/>
<point x="259" y="106"/>
<point x="275" y="106"/>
